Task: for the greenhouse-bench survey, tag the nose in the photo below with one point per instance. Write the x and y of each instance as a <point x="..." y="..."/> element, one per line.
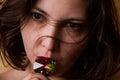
<point x="50" y="43"/>
<point x="49" y="40"/>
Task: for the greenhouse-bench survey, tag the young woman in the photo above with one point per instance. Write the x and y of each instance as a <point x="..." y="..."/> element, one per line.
<point x="80" y="35"/>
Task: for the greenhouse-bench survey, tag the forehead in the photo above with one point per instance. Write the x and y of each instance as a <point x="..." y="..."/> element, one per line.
<point x="63" y="7"/>
<point x="63" y="2"/>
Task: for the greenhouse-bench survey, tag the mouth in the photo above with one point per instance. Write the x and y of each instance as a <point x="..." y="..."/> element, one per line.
<point x="44" y="65"/>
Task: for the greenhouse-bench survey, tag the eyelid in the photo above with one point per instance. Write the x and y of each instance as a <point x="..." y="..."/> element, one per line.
<point x="37" y="11"/>
<point x="41" y="16"/>
<point x="74" y="24"/>
<point x="75" y="20"/>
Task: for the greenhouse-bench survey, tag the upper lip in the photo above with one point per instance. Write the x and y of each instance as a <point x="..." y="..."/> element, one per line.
<point x="44" y="57"/>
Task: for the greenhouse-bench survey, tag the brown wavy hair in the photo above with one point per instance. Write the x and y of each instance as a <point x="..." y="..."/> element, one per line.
<point x="100" y="59"/>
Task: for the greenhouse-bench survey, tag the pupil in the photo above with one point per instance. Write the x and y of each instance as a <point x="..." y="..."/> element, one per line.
<point x="36" y="16"/>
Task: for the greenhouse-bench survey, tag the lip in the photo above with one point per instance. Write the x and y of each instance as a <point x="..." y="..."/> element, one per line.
<point x="43" y="57"/>
<point x="46" y="58"/>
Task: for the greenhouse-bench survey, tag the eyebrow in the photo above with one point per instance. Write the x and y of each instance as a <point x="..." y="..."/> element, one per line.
<point x="69" y="19"/>
<point x="40" y="10"/>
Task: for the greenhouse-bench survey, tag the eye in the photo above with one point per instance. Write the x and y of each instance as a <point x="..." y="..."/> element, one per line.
<point x="74" y="26"/>
<point x="37" y="16"/>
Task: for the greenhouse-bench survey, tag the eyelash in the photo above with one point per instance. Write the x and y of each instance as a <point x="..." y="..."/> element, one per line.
<point x="73" y="26"/>
<point x="37" y="17"/>
<point x="70" y="26"/>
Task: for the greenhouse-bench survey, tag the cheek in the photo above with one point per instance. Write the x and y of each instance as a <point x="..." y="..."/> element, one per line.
<point x="28" y="41"/>
<point x="70" y="54"/>
<point x="67" y="57"/>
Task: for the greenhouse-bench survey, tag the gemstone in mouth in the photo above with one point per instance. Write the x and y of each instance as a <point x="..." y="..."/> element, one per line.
<point x="44" y="66"/>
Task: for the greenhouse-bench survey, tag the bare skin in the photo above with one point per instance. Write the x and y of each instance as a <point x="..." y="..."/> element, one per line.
<point x="73" y="11"/>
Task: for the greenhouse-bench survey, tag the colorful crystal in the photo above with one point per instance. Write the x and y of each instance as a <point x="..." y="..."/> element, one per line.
<point x="44" y="66"/>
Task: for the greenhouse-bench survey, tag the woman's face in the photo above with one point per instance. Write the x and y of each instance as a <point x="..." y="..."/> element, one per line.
<point x="52" y="30"/>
